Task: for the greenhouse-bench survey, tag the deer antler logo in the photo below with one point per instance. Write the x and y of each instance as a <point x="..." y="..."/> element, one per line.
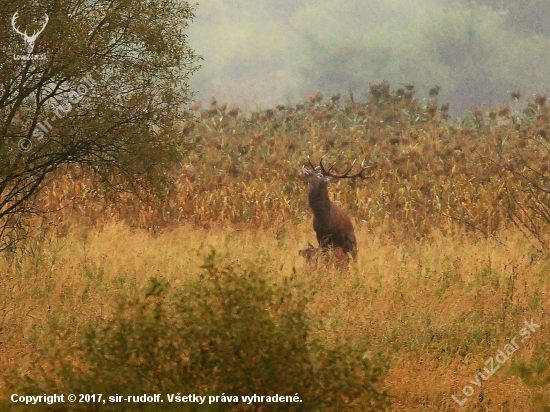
<point x="28" y="39"/>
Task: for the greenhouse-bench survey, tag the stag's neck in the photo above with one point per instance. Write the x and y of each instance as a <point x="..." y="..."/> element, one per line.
<point x="319" y="203"/>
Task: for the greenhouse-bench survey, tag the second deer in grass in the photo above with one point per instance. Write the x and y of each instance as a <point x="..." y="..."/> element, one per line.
<point x="331" y="223"/>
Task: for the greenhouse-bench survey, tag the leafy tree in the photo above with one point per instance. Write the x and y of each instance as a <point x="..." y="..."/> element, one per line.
<point x="103" y="90"/>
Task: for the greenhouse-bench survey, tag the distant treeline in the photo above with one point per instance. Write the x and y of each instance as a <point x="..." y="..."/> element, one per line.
<point x="268" y="52"/>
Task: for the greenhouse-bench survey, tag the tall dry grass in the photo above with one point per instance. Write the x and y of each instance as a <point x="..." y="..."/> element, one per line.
<point x="435" y="310"/>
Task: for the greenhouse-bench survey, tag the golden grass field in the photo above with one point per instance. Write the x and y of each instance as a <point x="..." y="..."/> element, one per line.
<point x="429" y="294"/>
<point x="437" y="309"/>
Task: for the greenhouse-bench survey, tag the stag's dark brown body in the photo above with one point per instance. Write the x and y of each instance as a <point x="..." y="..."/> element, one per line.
<point x="331" y="223"/>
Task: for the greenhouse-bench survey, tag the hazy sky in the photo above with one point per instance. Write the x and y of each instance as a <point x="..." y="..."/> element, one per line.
<point x="268" y="52"/>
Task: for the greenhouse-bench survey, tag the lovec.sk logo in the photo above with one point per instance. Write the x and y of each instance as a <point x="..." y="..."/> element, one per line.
<point x="28" y="39"/>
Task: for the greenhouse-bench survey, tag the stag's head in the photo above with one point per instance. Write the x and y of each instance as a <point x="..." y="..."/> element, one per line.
<point x="28" y="39"/>
<point x="319" y="177"/>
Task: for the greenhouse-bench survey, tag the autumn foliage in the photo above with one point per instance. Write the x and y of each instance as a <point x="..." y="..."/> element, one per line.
<point x="484" y="172"/>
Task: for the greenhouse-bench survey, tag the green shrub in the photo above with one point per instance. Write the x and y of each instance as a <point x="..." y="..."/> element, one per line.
<point x="230" y="333"/>
<point x="536" y="376"/>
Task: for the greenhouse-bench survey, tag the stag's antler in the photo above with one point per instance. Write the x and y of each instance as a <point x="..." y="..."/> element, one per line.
<point x="345" y="175"/>
<point x="28" y="39"/>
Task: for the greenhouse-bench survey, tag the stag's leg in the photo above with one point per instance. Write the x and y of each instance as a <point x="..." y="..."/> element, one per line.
<point x="350" y="244"/>
<point x="325" y="242"/>
<point x="341" y="257"/>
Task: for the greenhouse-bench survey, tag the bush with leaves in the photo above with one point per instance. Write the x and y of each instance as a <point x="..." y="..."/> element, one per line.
<point x="232" y="332"/>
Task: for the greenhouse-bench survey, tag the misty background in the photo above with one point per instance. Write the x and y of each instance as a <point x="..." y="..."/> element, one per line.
<point x="259" y="53"/>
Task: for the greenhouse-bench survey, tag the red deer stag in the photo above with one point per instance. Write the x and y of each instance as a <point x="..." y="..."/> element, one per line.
<point x="330" y="222"/>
